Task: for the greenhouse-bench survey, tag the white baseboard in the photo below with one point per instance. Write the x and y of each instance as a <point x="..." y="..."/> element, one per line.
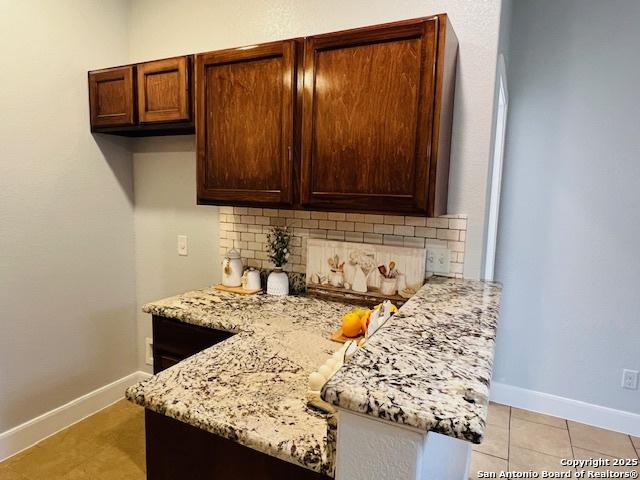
<point x="588" y="413"/>
<point x="33" y="431"/>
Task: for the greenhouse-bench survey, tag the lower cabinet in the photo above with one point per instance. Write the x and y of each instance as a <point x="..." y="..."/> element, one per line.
<point x="173" y="341"/>
<point x="176" y="450"/>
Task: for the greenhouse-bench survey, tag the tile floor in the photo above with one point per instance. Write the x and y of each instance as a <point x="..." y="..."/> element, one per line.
<point x="110" y="445"/>
<point x="519" y="440"/>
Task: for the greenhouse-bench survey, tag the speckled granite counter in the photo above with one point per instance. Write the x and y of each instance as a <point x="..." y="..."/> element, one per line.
<point x="429" y="367"/>
<point x="251" y="388"/>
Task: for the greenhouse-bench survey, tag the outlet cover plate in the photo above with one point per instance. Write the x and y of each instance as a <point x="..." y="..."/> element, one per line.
<point x="148" y="350"/>
<point x="630" y="379"/>
<point x="438" y="259"/>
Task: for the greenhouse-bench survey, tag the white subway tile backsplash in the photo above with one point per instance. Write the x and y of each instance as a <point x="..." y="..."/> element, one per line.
<point x="383" y="229"/>
<point x="415" y="221"/>
<point x="247" y="228"/>
<point x="335" y="235"/>
<point x="312" y="224"/>
<point x="404" y="230"/>
<point x="336" y="216"/>
<point x="345" y="226"/>
<point x="353" y="237"/>
<point x="414" y="242"/>
<point x="373" y="238"/>
<point x="458" y="223"/>
<point x="302" y="214"/>
<point x="355" y="217"/>
<point x="393" y="240"/>
<point x="269" y="212"/>
<point x="374" y="218"/>
<point x="364" y="227"/>
<point x="446" y="234"/>
<point x="426" y="232"/>
<point x="393" y="220"/>
<point x="438" y="222"/>
<point x="327" y="224"/>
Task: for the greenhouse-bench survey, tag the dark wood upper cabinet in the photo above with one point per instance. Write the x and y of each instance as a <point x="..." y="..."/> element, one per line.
<point x="245" y="120"/>
<point x="111" y="97"/>
<point x="152" y="98"/>
<point x="376" y="120"/>
<point x="163" y="91"/>
<point x="358" y="120"/>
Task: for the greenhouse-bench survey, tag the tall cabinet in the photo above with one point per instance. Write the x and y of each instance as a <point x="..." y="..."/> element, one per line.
<point x="245" y="121"/>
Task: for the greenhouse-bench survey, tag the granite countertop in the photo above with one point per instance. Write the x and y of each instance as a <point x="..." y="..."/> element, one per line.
<point x="251" y="388"/>
<point x="430" y="366"/>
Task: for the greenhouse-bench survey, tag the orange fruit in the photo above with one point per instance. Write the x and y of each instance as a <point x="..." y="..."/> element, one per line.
<point x="351" y="325"/>
<point x="364" y="320"/>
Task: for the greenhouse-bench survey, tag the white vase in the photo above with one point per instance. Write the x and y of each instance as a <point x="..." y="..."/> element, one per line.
<point x="359" y="281"/>
<point x="278" y="282"/>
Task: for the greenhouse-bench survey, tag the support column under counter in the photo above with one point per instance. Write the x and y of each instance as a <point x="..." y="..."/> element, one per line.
<point x="372" y="448"/>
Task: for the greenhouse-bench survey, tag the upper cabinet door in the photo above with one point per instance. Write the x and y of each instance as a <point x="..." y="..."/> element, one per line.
<point x="245" y="106"/>
<point x="111" y="97"/>
<point x="163" y="91"/>
<point x="368" y="113"/>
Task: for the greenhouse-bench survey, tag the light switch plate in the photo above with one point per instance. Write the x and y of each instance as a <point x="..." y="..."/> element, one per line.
<point x="438" y="259"/>
<point x="183" y="245"/>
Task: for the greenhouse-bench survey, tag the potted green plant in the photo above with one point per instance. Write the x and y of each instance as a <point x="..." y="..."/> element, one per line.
<point x="278" y="250"/>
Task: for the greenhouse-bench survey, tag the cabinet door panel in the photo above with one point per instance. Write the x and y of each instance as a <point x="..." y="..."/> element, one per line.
<point x="111" y="97"/>
<point x="163" y="90"/>
<point x="367" y="117"/>
<point x="245" y="124"/>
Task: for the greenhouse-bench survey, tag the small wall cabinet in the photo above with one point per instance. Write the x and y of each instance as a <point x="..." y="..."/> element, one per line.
<point x="111" y="97"/>
<point x="151" y="98"/>
<point x="245" y="102"/>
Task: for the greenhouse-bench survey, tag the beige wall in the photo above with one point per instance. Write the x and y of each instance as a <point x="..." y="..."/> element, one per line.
<point x="66" y="210"/>
<point x="165" y="198"/>
<point x="161" y="28"/>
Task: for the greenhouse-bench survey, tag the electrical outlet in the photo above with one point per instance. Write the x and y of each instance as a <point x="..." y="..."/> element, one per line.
<point x="148" y="350"/>
<point x="629" y="379"/>
<point x="438" y="259"/>
<point x="183" y="245"/>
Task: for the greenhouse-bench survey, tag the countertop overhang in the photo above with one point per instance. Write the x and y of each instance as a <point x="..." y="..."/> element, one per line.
<point x="430" y="366"/>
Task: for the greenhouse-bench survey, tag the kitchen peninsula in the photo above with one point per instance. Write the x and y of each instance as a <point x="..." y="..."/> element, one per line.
<point x="427" y="370"/>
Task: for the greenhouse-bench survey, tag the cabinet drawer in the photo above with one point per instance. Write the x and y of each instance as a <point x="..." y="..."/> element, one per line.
<point x="181" y="340"/>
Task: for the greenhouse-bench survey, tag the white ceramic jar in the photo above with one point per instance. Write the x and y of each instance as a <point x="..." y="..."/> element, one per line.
<point x="278" y="283"/>
<point x="232" y="269"/>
